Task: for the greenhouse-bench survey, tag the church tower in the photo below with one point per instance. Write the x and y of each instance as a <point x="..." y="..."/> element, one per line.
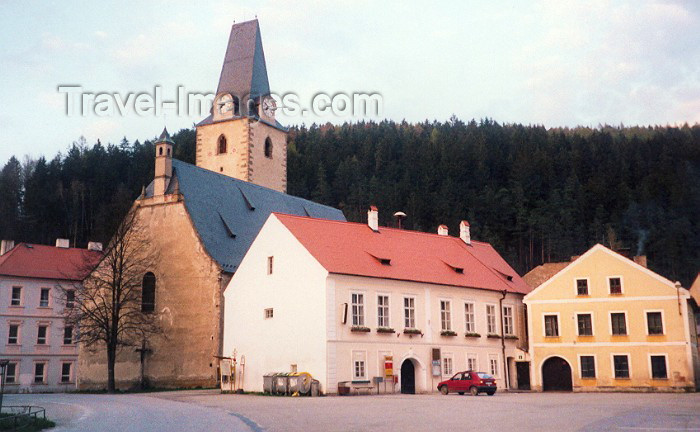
<point x="241" y="138"/>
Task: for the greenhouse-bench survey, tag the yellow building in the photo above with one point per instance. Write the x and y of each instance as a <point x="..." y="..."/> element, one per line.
<point x="605" y="323"/>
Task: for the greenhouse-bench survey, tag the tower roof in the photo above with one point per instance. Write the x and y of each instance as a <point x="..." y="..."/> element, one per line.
<point x="244" y="71"/>
<point x="165" y="137"/>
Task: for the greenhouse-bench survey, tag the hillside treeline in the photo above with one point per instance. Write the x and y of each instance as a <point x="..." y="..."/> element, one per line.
<point x="537" y="195"/>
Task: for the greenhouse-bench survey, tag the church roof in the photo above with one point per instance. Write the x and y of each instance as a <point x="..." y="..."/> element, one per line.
<point x="244" y="71"/>
<point x="228" y="213"/>
<point x="165" y="137"/>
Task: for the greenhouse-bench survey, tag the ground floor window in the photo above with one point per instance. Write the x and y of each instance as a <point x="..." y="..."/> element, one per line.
<point x="359" y="364"/>
<point x="447" y="365"/>
<point x="65" y="372"/>
<point x="39" y="373"/>
<point x="11" y="373"/>
<point x="658" y="367"/>
<point x="587" y="367"/>
<point x="471" y="362"/>
<point x="621" y="364"/>
<point x="493" y="365"/>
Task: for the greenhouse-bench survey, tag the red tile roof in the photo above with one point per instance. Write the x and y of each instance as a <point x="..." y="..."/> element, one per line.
<point x="543" y="273"/>
<point x="354" y="249"/>
<point x="48" y="262"/>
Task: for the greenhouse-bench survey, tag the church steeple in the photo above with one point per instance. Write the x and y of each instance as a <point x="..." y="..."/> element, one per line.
<point x="241" y="138"/>
<point x="164" y="163"/>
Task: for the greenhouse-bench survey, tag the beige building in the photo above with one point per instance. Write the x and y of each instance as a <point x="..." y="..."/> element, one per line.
<point x="201" y="221"/>
<point x="607" y="323"/>
<point x="339" y="300"/>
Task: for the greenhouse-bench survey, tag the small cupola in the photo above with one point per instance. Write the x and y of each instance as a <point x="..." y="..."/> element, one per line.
<point x="164" y="163"/>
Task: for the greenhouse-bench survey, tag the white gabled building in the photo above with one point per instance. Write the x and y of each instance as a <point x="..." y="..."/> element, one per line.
<point x="336" y="298"/>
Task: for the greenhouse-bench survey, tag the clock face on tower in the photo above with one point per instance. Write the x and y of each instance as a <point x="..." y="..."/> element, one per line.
<point x="269" y="106"/>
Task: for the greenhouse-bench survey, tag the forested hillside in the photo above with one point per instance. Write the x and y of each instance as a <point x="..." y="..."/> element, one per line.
<point x="538" y="195"/>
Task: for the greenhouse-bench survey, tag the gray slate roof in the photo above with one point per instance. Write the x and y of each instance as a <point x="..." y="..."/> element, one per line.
<point x="244" y="71"/>
<point x="228" y="213"/>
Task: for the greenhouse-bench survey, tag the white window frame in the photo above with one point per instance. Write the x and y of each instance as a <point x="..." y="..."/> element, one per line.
<point x="646" y="321"/>
<point x="358" y="319"/>
<point x="576" y="314"/>
<point x="544" y="324"/>
<point x="70" y="304"/>
<point x="355" y="357"/>
<point x="384" y="318"/>
<point x="622" y="284"/>
<point x="629" y="365"/>
<point x="47" y="337"/>
<point x="407" y="309"/>
<point x="21" y="295"/>
<point x="48" y="298"/>
<point x="588" y="284"/>
<point x="71" y="377"/>
<point x="269" y="313"/>
<point x="494" y="357"/>
<point x="495" y="319"/>
<point x="16" y="375"/>
<point x="508" y="331"/>
<point x="473" y="317"/>
<point x="651" y="374"/>
<point x="627" y="324"/>
<point x="475" y="357"/>
<point x="595" y="366"/>
<point x="448" y="358"/>
<point x="19" y="333"/>
<point x="72" y="335"/>
<point x="45" y="372"/>
<point x="445" y="315"/>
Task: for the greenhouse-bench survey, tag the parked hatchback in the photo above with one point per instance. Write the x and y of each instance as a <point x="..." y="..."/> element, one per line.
<point x="469" y="381"/>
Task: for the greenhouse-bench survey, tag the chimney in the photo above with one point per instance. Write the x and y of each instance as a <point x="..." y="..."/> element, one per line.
<point x="6" y="246"/>
<point x="464" y="233"/>
<point x="373" y="218"/>
<point x="164" y="163"/>
<point x="641" y="260"/>
<point x="62" y="243"/>
<point x="95" y="246"/>
<point x="443" y="230"/>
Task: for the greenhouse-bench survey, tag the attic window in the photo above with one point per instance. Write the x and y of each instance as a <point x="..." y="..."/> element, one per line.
<point x="459" y="270"/>
<point x="382" y="261"/>
<point x="227" y="227"/>
<point x="248" y="203"/>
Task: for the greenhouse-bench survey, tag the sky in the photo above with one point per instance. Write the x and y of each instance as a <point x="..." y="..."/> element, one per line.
<point x="553" y="63"/>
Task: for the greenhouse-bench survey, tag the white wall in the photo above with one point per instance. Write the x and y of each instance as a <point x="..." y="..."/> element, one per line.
<point x="27" y="352"/>
<point x="296" y="292"/>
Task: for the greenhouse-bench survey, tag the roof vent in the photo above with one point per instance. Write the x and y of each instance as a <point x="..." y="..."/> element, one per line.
<point x="248" y="203"/>
<point x="62" y="243"/>
<point x="373" y="218"/>
<point x="464" y="232"/>
<point x="6" y="246"/>
<point x="443" y="230"/>
<point x="382" y="261"/>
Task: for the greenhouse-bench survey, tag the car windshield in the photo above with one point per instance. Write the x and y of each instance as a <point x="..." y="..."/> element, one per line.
<point x="485" y="376"/>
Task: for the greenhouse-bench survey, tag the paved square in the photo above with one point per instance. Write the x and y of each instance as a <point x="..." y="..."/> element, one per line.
<point x="208" y="410"/>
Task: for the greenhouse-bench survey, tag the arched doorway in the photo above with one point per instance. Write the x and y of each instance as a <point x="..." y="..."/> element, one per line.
<point x="408" y="377"/>
<point x="556" y="375"/>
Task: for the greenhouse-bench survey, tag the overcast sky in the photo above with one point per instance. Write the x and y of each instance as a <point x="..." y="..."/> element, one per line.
<point x="557" y="63"/>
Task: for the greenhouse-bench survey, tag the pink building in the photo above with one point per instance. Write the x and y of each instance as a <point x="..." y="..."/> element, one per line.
<point x="40" y="348"/>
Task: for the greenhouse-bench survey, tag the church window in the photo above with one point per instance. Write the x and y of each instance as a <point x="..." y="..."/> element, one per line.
<point x="221" y="145"/>
<point x="148" y="294"/>
<point x="268" y="148"/>
<point x="236" y="106"/>
<point x="160" y="151"/>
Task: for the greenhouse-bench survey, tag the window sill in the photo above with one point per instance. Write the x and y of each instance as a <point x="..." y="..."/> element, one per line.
<point x="360" y="329"/>
<point x="385" y="330"/>
<point x="38" y="384"/>
<point x="448" y="333"/>
<point x="586" y="337"/>
<point x="45" y="307"/>
<point x="412" y="331"/>
<point x="656" y="334"/>
<point x="588" y="378"/>
<point x="615" y="294"/>
<point x="16" y="306"/>
<point x="472" y="335"/>
<point x="623" y="378"/>
<point x="583" y="295"/>
<point x="620" y="335"/>
<point x="511" y="337"/>
<point x="13" y="345"/>
<point x="493" y="336"/>
<point x="552" y="338"/>
<point x="67" y="383"/>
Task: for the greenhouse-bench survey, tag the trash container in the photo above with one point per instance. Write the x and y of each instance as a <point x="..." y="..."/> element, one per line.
<point x="281" y="385"/>
<point x="343" y="388"/>
<point x="269" y="383"/>
<point x="300" y="383"/>
<point x="315" y="385"/>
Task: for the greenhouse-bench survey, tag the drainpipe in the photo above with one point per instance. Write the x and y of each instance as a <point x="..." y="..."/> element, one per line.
<point x="503" y="341"/>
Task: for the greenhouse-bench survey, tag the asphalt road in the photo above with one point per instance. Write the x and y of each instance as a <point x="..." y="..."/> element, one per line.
<point x="211" y="411"/>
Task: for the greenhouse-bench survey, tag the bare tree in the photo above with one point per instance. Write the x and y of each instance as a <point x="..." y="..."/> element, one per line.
<point x="109" y="309"/>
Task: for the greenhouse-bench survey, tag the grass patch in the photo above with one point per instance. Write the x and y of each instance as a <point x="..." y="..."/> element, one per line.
<point x="24" y="423"/>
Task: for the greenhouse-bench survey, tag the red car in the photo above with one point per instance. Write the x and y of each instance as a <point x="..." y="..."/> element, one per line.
<point x="469" y="381"/>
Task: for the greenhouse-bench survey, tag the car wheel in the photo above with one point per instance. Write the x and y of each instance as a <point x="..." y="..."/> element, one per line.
<point x="444" y="390"/>
<point x="491" y="393"/>
<point x="474" y="391"/>
<point x="461" y="393"/>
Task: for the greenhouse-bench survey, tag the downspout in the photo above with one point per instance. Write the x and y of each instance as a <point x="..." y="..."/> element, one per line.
<point x="503" y="340"/>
